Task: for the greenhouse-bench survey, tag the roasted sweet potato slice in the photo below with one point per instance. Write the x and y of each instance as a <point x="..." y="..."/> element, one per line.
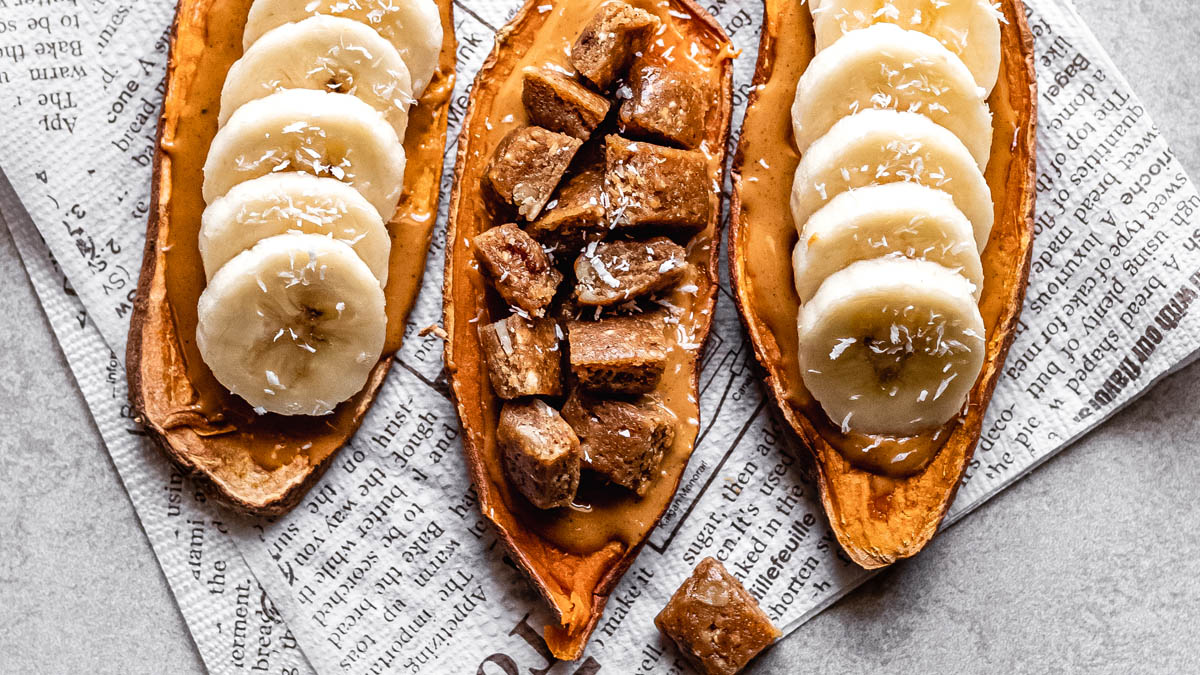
<point x="258" y="464"/>
<point x="573" y="557"/>
<point x="877" y="519"/>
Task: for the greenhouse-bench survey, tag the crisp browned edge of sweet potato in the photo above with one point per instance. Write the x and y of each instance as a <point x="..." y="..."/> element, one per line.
<point x="834" y="475"/>
<point x="183" y="452"/>
<point x="568" y="640"/>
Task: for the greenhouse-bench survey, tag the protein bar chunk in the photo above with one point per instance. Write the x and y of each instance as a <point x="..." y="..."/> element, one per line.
<point x="603" y="50"/>
<point x="519" y="268"/>
<point x="559" y="103"/>
<point x="612" y="272"/>
<point x="653" y="185"/>
<point x="540" y="452"/>
<point x="620" y="355"/>
<point x="576" y="216"/>
<point x="622" y="440"/>
<point x="716" y="623"/>
<point x="527" y="166"/>
<point x="523" y="356"/>
<point x="665" y="105"/>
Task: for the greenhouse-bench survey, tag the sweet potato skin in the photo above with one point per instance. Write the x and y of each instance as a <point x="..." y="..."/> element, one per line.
<point x="160" y="382"/>
<point x="575" y="587"/>
<point x="880" y="520"/>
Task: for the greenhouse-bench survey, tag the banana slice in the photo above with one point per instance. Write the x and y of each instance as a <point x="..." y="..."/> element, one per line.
<point x="968" y="28"/>
<point x="414" y="27"/>
<point x="898" y="219"/>
<point x="877" y="147"/>
<point x="279" y="203"/>
<point x="326" y="53"/>
<point x="294" y="325"/>
<point x="311" y="131"/>
<point x="887" y="67"/>
<point x="891" y="346"/>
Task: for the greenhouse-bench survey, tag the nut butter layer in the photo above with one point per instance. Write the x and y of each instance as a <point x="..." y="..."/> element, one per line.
<point x="260" y="464"/>
<point x="574" y="509"/>
<point x="881" y="516"/>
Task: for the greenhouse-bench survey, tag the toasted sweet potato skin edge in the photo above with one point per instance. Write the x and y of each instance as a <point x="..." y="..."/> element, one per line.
<point x="285" y="501"/>
<point x="763" y="343"/>
<point x="576" y="641"/>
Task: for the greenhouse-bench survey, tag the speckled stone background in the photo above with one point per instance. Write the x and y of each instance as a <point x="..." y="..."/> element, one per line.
<point x="1092" y="563"/>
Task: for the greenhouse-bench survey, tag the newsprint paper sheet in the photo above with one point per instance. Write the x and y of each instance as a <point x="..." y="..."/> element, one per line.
<point x="387" y="565"/>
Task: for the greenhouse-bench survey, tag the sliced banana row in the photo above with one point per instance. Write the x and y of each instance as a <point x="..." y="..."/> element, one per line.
<point x="306" y="168"/>
<point x="892" y="209"/>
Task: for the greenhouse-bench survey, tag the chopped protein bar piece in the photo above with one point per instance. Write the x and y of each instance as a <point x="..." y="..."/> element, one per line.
<point x="653" y="185"/>
<point x="575" y="216"/>
<point x="540" y="452"/>
<point x="665" y="105"/>
<point x="523" y="356"/>
<point x="519" y="268"/>
<point x="559" y="103"/>
<point x="622" y="440"/>
<point x="527" y="166"/>
<point x="609" y="273"/>
<point x="716" y="623"/>
<point x="621" y="355"/>
<point x="603" y="50"/>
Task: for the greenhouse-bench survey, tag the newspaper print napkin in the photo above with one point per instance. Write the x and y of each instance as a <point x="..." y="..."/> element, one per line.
<point x="387" y="565"/>
<point x="235" y="626"/>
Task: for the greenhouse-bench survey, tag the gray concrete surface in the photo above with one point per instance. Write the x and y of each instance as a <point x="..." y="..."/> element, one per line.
<point x="1090" y="564"/>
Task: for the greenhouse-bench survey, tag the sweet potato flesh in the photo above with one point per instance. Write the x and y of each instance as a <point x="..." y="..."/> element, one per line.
<point x="262" y="464"/>
<point x="573" y="556"/>
<point x="878" y="519"/>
